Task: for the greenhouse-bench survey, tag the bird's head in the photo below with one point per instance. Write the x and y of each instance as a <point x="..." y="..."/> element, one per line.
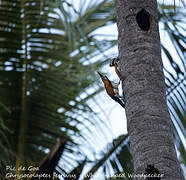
<point x="103" y="77"/>
<point x="114" y="61"/>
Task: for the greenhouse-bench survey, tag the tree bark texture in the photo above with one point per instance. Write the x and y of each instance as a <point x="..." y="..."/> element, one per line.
<point x="149" y="123"/>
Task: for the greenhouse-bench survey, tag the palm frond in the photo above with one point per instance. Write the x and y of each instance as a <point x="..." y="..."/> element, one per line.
<point x="43" y="75"/>
<point x="114" y="155"/>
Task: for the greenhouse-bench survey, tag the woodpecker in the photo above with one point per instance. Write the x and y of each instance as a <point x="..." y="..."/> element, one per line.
<point x="114" y="63"/>
<point x="112" y="89"/>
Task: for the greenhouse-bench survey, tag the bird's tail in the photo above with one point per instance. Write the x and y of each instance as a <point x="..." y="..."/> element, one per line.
<point x="119" y="101"/>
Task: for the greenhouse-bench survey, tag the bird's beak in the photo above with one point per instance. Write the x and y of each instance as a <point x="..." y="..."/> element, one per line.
<point x="102" y="76"/>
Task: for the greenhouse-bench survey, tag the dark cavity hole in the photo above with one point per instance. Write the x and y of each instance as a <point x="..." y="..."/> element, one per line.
<point x="143" y="20"/>
<point x="153" y="172"/>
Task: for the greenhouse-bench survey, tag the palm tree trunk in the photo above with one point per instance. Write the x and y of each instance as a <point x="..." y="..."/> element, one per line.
<point x="149" y="123"/>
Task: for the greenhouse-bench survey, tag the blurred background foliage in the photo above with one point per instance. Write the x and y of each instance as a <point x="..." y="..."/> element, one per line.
<point x="49" y="55"/>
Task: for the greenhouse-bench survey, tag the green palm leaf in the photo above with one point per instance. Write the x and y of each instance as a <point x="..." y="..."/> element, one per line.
<point x="43" y="76"/>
